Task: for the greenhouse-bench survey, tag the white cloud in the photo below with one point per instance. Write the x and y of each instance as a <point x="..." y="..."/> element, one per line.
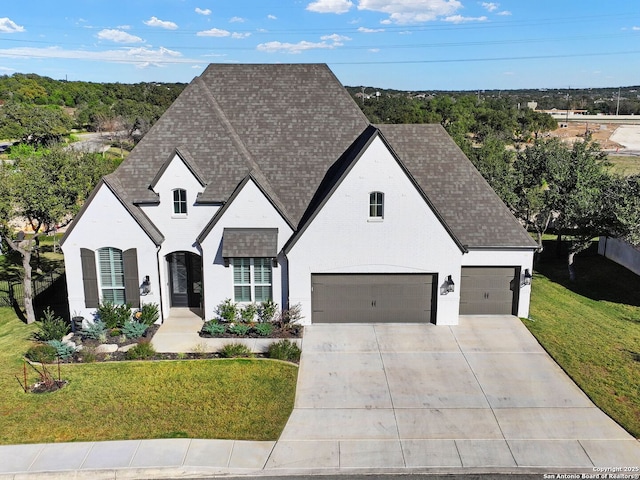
<point x="204" y="11"/>
<point x="236" y="20"/>
<point x="461" y="19"/>
<point x="330" y="6"/>
<point x="328" y="42"/>
<point x="490" y="6"/>
<point x="272" y="17"/>
<point x="635" y="28"/>
<point x="124" y="27"/>
<point x="214" y="32"/>
<point x="118" y="36"/>
<point x="504" y="13"/>
<point x="370" y="30"/>
<point x="411" y="11"/>
<point x="240" y="35"/>
<point x="374" y="50"/>
<point x="140" y="56"/>
<point x="156" y="22"/>
<point x="9" y="26"/>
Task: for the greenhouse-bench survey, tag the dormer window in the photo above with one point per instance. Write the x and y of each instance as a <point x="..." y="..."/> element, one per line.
<point x="180" y="202"/>
<point x="376" y="205"/>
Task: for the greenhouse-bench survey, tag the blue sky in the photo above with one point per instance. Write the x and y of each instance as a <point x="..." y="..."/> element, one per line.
<point x="402" y="44"/>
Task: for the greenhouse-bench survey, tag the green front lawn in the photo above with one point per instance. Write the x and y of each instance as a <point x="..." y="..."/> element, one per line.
<point x="592" y="329"/>
<point x="232" y="399"/>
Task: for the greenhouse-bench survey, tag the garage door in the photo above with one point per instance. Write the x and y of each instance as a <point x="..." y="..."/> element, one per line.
<point x="375" y="298"/>
<point x="489" y="290"/>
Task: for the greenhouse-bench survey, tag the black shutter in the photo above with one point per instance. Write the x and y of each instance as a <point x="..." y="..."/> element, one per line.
<point x="89" y="278"/>
<point x="131" y="282"/>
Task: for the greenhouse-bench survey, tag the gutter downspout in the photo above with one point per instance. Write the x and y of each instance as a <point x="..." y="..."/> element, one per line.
<point x="159" y="281"/>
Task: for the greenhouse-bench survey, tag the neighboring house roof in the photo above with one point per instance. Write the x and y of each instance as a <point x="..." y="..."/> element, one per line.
<point x="294" y="129"/>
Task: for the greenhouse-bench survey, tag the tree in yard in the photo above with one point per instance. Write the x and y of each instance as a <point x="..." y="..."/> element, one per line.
<point x="568" y="187"/>
<point x="45" y="189"/>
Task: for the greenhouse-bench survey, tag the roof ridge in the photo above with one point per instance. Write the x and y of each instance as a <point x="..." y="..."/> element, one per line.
<point x="235" y="137"/>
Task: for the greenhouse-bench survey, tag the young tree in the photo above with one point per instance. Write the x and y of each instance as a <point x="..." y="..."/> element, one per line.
<point x="45" y="189"/>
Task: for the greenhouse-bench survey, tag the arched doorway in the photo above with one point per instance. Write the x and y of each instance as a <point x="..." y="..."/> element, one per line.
<point x="185" y="279"/>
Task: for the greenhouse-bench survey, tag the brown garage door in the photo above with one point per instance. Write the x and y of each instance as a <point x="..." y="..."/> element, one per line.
<point x="372" y="298"/>
<point x="489" y="290"/>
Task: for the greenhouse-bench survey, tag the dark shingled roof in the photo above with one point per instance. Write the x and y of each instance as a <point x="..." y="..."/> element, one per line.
<point x="289" y="127"/>
<point x="250" y="242"/>
<point x="464" y="200"/>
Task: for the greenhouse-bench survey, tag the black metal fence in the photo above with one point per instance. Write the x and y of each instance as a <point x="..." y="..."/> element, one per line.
<point x="12" y="291"/>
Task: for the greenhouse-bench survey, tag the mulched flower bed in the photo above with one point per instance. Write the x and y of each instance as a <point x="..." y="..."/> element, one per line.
<point x="291" y="331"/>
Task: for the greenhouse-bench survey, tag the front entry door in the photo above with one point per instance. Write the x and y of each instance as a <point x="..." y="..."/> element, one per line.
<point x="185" y="279"/>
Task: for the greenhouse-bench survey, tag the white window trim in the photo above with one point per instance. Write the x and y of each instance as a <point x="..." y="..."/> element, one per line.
<point x="175" y="202"/>
<point x="376" y="218"/>
<point x="252" y="284"/>
<point x="101" y="286"/>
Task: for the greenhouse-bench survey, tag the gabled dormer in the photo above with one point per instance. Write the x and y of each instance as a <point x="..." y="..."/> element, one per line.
<point x="178" y="184"/>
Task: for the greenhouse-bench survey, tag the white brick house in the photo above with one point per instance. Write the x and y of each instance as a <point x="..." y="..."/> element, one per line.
<point x="249" y="189"/>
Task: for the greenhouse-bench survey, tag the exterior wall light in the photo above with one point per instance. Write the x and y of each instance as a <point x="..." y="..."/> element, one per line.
<point x="449" y="285"/>
<point x="145" y="287"/>
<point x="526" y="278"/>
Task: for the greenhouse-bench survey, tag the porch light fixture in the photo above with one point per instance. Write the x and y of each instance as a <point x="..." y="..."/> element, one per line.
<point x="145" y="288"/>
<point x="449" y="286"/>
<point x="526" y="277"/>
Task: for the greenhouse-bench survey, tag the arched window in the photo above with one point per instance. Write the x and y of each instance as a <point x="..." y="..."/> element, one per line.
<point x="180" y="202"/>
<point x="111" y="267"/>
<point x="376" y="205"/>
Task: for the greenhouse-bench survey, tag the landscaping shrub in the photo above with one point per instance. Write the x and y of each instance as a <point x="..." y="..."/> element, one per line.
<point x="267" y="311"/>
<point x="63" y="350"/>
<point x="114" y="316"/>
<point x="284" y="350"/>
<point x="227" y="311"/>
<point x="141" y="351"/>
<point x="41" y="353"/>
<point x="240" y="329"/>
<point x="235" y="350"/>
<point x="115" y="332"/>
<point x="134" y="329"/>
<point x="248" y="313"/>
<point x="264" y="329"/>
<point x="51" y="327"/>
<point x="213" y="328"/>
<point x="96" y="330"/>
<point x="149" y="313"/>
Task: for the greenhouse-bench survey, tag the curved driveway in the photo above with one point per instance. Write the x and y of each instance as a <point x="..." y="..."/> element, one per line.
<point x="480" y="394"/>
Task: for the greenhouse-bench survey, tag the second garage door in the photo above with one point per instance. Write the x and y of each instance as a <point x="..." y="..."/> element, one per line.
<point x="372" y="298"/>
<point x="489" y="290"/>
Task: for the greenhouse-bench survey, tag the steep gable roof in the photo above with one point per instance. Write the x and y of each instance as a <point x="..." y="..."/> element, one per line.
<point x="465" y="201"/>
<point x="293" y="129"/>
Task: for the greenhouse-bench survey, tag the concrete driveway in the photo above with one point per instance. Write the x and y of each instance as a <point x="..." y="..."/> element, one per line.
<point x="482" y="394"/>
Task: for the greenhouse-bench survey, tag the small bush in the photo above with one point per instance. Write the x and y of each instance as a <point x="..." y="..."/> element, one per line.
<point x="141" y="351"/>
<point x="114" y="316"/>
<point x="51" y="327"/>
<point x="63" y="350"/>
<point x="240" y="329"/>
<point x="115" y="332"/>
<point x="134" y="329"/>
<point x="284" y="350"/>
<point x="248" y="313"/>
<point x="148" y="314"/>
<point x="227" y="310"/>
<point x="87" y="355"/>
<point x="214" y="328"/>
<point x="235" y="350"/>
<point x="96" y="330"/>
<point x="264" y="329"/>
<point x="42" y="353"/>
<point x="267" y="311"/>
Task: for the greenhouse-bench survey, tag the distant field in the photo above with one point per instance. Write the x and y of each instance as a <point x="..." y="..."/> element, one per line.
<point x="625" y="164"/>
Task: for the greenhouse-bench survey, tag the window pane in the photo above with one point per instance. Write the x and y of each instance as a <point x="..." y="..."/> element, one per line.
<point x="263" y="293"/>
<point x="376" y="202"/>
<point x="111" y="268"/>
<point x="180" y="201"/>
<point x="241" y="271"/>
<point x="242" y="293"/>
<point x="262" y="271"/>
